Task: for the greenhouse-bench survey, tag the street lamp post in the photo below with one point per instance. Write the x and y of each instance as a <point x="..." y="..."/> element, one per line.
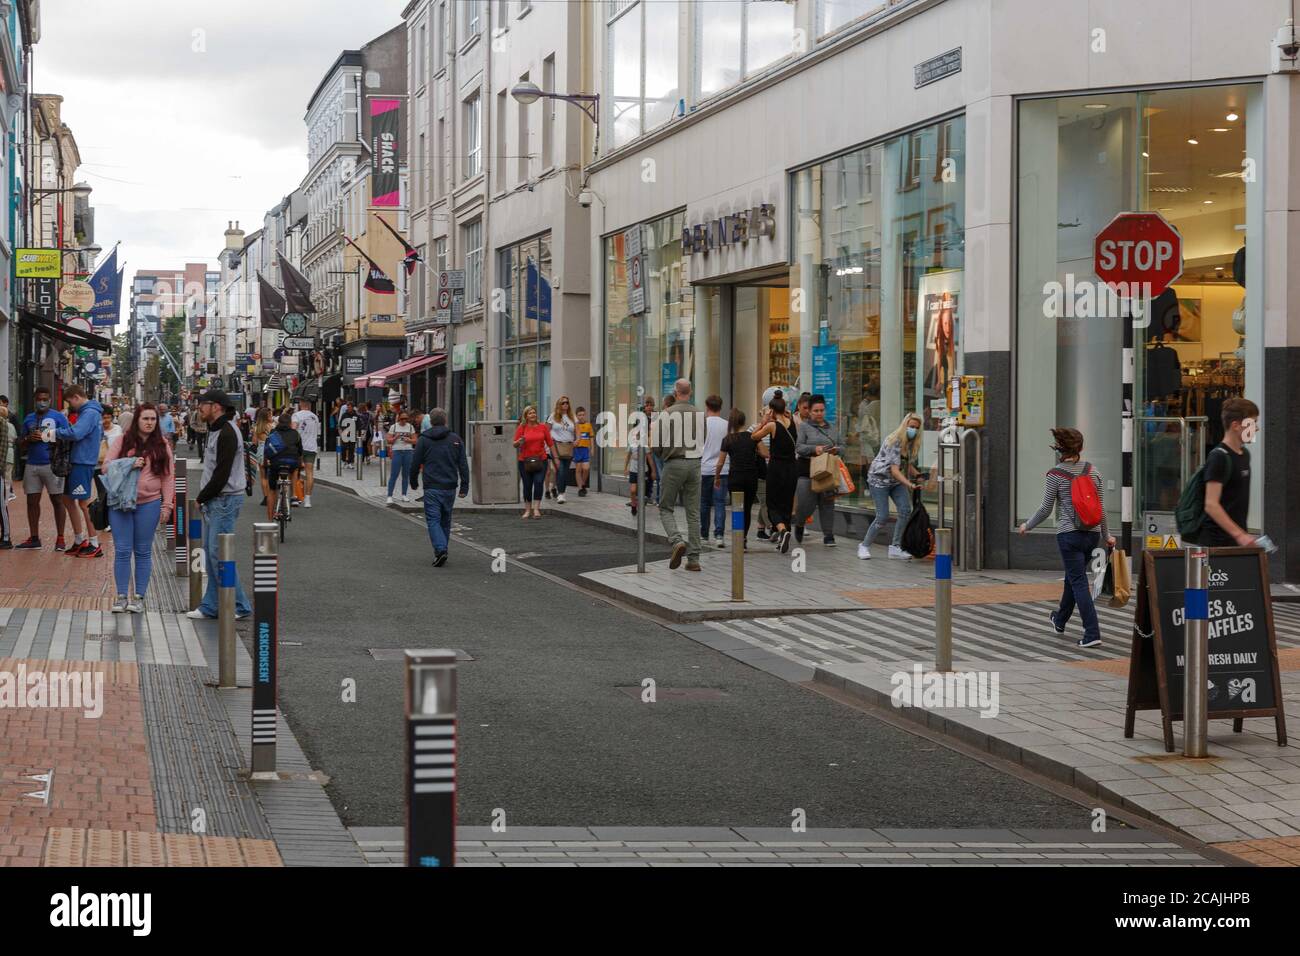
<point x="527" y="94"/>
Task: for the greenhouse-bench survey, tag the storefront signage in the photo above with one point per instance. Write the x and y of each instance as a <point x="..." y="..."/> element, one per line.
<point x="735" y="229"/>
<point x="354" y="366"/>
<point x="464" y="357"/>
<point x="38" y="264"/>
<point x="634" y="260"/>
<point x="77" y="295"/>
<point x="826" y="376"/>
<point x="305" y="343"/>
<point x="1244" y="679"/>
<point x="437" y="340"/>
<point x="1139" y="255"/>
<point x="937" y="67"/>
<point x="384" y="137"/>
<point x="667" y="378"/>
<point x="41" y="293"/>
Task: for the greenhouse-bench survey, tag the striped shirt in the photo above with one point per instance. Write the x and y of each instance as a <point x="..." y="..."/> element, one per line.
<point x="1057" y="492"/>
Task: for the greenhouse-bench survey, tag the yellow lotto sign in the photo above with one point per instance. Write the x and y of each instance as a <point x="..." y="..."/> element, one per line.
<point x="37" y="264"/>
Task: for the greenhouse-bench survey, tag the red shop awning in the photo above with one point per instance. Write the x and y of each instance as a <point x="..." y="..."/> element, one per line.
<point x="400" y="370"/>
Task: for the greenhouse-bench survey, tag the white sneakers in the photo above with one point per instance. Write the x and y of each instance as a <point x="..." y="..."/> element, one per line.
<point x="306" y="501"/>
<point x="864" y="552"/>
<point x="899" y="553"/>
<point x="198" y="615"/>
<point x="388" y="500"/>
<point x="559" y="499"/>
<point x="406" y="497"/>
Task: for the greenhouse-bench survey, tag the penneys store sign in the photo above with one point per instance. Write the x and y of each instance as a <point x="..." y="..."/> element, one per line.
<point x="735" y="229"/>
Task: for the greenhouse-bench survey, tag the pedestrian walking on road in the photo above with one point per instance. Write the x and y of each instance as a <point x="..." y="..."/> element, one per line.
<point x="890" y="479"/>
<point x="221" y="495"/>
<point x="564" y="434"/>
<point x="439" y="458"/>
<point x="86" y="435"/>
<point x="39" y="428"/>
<point x="535" y="446"/>
<point x="714" y="472"/>
<point x="141" y="480"/>
<point x="308" y="426"/>
<point x="401" y="442"/>
<point x="815" y="436"/>
<point x="1076" y="539"/>
<point x="782" y="471"/>
<point x="680" y="444"/>
<point x="737" y="466"/>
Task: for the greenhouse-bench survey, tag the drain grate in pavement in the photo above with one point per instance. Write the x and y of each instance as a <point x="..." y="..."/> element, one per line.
<point x="399" y="654"/>
<point x="676" y="693"/>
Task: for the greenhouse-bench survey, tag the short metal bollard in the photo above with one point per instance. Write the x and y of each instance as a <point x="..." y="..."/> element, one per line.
<point x="226" y="576"/>
<point x="359" y="459"/>
<point x="197" y="557"/>
<point x="179" y="522"/>
<point x="431" y="758"/>
<point x="266" y="636"/>
<point x="383" y="468"/>
<point x="338" y="460"/>
<point x="738" y="546"/>
<point x="943" y="599"/>
<point x="1196" y="614"/>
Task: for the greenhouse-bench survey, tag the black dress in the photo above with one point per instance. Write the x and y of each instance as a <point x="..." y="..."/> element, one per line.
<point x="782" y="475"/>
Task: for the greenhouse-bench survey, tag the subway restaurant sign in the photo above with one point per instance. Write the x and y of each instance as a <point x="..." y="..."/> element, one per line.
<point x="734" y="229"/>
<point x="38" y="264"/>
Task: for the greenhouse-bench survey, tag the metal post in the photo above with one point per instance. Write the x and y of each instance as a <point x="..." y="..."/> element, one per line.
<point x="179" y="519"/>
<point x="359" y="457"/>
<point x="1126" y="428"/>
<point x="431" y="758"/>
<point x="1196" y="650"/>
<point x="197" y="557"/>
<point x="338" y="459"/>
<point x="226" y="608"/>
<point x="383" y="467"/>
<point x="738" y="546"/>
<point x="266" y="636"/>
<point x="943" y="599"/>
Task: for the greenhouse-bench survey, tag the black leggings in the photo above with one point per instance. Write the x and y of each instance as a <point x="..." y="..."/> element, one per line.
<point x="749" y="486"/>
<point x="533" y="481"/>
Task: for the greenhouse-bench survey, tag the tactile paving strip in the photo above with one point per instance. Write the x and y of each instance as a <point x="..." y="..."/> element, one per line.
<point x="194" y="757"/>
<point x="66" y="846"/>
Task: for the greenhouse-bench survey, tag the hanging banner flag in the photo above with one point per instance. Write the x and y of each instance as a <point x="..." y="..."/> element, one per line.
<point x="412" y="256"/>
<point x="384" y="184"/>
<point x="107" y="286"/>
<point x="297" y="290"/>
<point x="271" y="304"/>
<point x="537" y="295"/>
<point x="376" y="279"/>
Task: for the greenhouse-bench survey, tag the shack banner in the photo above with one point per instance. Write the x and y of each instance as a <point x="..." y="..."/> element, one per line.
<point x="384" y="146"/>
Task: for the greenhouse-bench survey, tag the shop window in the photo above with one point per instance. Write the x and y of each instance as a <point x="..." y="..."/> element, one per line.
<point x="641" y="49"/>
<point x="1082" y="161"/>
<point x="525" y="271"/>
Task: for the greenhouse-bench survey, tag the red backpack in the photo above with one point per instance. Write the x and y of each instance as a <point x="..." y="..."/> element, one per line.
<point x="1084" y="498"/>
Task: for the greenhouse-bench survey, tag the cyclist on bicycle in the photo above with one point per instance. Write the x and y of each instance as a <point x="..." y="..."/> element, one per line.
<point x="281" y="455"/>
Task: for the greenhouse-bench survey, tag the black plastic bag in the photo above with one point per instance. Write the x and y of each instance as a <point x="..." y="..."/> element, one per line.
<point x="99" y="507"/>
<point x="918" y="534"/>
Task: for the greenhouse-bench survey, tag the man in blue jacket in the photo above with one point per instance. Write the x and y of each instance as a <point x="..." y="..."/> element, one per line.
<point x="86" y="435"/>
<point x="440" y="458"/>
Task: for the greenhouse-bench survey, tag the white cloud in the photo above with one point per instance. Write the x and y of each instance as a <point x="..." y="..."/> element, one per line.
<point x="181" y="131"/>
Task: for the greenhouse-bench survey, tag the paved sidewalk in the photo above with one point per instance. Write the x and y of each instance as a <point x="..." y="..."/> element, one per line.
<point x="157" y="777"/>
<point x="755" y="846"/>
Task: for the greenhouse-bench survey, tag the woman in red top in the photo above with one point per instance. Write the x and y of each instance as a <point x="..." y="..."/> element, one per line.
<point x="535" y="445"/>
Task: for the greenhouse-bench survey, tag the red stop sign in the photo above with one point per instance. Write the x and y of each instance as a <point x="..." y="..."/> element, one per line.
<point x="1137" y="249"/>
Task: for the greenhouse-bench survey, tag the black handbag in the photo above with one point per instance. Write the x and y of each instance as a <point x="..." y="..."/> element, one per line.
<point x="918" y="534"/>
<point x="99" y="507"/>
<point x="533" y="464"/>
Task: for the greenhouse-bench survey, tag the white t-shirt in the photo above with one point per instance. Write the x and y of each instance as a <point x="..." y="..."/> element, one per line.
<point x="715" y="429"/>
<point x="402" y="436"/>
<point x="308" y="426"/>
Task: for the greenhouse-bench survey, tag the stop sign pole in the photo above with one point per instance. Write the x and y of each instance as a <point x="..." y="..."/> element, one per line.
<point x="1137" y="254"/>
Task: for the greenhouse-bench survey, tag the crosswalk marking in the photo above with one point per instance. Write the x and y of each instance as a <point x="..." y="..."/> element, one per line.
<point x="1000" y="633"/>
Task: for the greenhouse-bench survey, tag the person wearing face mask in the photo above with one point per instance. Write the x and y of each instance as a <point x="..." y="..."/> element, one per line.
<point x="890" y="479"/>
<point x="1075" y="540"/>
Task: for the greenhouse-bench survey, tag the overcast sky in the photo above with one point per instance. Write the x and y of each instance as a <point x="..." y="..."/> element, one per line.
<point x="189" y="113"/>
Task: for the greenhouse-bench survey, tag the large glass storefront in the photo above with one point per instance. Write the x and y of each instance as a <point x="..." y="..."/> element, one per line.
<point x="1187" y="154"/>
<point x="525" y="271"/>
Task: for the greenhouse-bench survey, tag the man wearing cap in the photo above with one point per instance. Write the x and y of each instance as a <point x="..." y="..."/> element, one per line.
<point x="221" y="494"/>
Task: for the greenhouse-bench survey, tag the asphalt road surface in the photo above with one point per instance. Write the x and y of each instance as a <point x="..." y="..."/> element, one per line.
<point x="552" y="726"/>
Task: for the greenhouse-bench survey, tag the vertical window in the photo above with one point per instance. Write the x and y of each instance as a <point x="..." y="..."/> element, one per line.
<point x="472" y="239"/>
<point x="522" y="150"/>
<point x="422" y="157"/>
<point x="738" y="38"/>
<point x="623" y="49"/>
<point x="437" y="162"/>
<point x="548" y="112"/>
<point x="420" y="47"/>
<point x="440" y="254"/>
<point x="499" y="174"/>
<point x="440" y="38"/>
<point x="834" y="14"/>
<point x="472" y="19"/>
<point x="473" y="136"/>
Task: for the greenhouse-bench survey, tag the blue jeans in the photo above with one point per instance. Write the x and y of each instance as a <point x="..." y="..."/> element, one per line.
<point x="133" y="535"/>
<point x="562" y="474"/>
<point x="1076" y="551"/>
<point x="401" y="462"/>
<point x="712" y="500"/>
<point x="220" y="516"/>
<point x="533" y="483"/>
<point x="438" y="503"/>
<point x="902" y="504"/>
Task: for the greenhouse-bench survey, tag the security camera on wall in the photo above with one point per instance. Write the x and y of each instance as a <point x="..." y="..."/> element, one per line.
<point x="1286" y="49"/>
<point x="585" y="199"/>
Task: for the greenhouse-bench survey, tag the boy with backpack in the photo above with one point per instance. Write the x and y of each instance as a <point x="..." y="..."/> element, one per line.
<point x="1213" y="508"/>
<point x="1074" y="487"/>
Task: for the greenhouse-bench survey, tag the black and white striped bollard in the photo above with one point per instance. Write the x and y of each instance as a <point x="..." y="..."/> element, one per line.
<point x="431" y="758"/>
<point x="266" y="634"/>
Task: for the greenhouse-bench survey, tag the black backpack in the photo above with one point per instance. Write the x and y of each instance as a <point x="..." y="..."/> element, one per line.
<point x="61" y="458"/>
<point x="918" y="534"/>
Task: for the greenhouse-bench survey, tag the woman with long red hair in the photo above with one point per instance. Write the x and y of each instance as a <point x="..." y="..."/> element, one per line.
<point x="155" y="500"/>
